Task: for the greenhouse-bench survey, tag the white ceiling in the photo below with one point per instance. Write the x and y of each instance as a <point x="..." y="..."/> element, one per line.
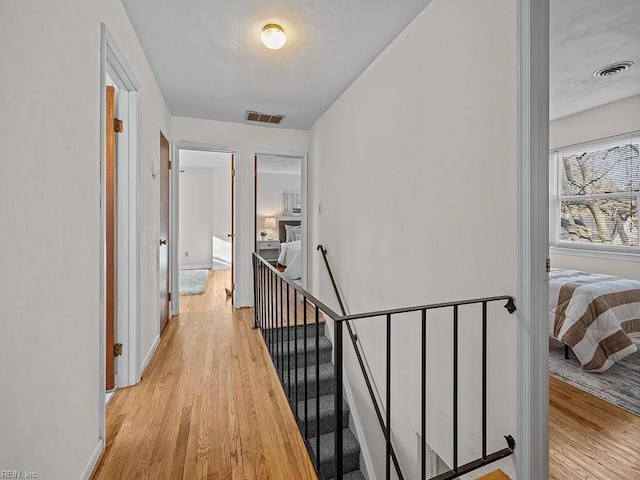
<point x="587" y="35"/>
<point x="209" y="62"/>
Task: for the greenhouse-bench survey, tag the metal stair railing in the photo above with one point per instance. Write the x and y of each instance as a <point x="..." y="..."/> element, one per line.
<point x="269" y="318"/>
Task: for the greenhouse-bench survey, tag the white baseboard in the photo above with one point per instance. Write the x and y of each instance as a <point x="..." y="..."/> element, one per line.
<point x="368" y="470"/>
<point x="149" y="356"/>
<point x="207" y="266"/>
<point x="93" y="461"/>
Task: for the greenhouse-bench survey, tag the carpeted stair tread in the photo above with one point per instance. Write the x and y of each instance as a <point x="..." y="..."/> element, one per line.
<point x="289" y="350"/>
<point x="327" y="415"/>
<point x="351" y="451"/>
<point x="299" y="332"/>
<point x="326" y="380"/>
<point x="355" y="475"/>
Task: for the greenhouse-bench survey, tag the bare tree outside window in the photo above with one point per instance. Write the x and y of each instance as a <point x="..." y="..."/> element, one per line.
<point x="599" y="194"/>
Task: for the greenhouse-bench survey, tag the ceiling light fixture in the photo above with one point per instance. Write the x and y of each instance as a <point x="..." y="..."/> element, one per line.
<point x="613" y="69"/>
<point x="273" y="36"/>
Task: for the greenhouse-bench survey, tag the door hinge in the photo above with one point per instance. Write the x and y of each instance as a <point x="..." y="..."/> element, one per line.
<point x="118" y="125"/>
<point x="170" y="164"/>
<point x="117" y="349"/>
<point x="548" y="265"/>
<point x="233" y="172"/>
<point x="169" y="296"/>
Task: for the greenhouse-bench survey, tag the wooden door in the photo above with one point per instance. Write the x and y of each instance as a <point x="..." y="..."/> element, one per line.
<point x="164" y="232"/>
<point x="110" y="211"/>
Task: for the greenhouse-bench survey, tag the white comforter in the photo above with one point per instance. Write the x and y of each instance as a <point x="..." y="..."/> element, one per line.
<point x="288" y="251"/>
<point x="291" y="257"/>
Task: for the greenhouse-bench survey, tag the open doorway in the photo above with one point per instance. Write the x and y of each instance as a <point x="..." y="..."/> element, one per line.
<point x="280" y="213"/>
<point x="206" y="222"/>
<point x="594" y="244"/>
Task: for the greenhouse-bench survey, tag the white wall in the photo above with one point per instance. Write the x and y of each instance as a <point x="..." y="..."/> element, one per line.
<point x="270" y="189"/>
<point x="609" y="120"/>
<point x="196" y="217"/>
<point x="205" y="215"/>
<point x="50" y="260"/>
<point x="248" y="139"/>
<point x="424" y="143"/>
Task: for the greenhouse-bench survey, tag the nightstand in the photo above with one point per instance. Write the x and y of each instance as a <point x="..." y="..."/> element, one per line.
<point x="269" y="250"/>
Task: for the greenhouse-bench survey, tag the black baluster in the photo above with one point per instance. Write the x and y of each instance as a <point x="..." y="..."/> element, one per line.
<point x="388" y="426"/>
<point x="455" y="388"/>
<point x="317" y="317"/>
<point x="338" y="401"/>
<point x="306" y="386"/>
<point x="484" y="380"/>
<point x="423" y="380"/>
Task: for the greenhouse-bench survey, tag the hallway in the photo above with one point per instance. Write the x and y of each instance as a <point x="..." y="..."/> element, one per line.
<point x="210" y="405"/>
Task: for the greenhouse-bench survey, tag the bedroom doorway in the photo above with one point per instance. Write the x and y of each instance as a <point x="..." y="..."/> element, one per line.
<point x="280" y="212"/>
<point x="594" y="242"/>
<point x="205" y="218"/>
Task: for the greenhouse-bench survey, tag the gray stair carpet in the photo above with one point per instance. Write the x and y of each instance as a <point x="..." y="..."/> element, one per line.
<point x="285" y="360"/>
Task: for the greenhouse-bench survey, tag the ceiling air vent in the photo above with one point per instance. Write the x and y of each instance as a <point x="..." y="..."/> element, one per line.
<point x="613" y="69"/>
<point x="263" y="117"/>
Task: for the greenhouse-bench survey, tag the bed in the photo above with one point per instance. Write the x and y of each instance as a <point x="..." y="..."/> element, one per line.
<point x="290" y="233"/>
<point x="595" y="315"/>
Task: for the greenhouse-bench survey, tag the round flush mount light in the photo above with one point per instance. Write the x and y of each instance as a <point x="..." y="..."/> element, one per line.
<point x="273" y="36"/>
<point x="613" y="69"/>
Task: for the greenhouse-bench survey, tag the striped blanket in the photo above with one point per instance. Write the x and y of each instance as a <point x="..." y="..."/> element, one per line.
<point x="594" y="314"/>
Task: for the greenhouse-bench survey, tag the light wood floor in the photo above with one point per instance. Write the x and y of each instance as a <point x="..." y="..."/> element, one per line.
<point x="210" y="405"/>
<point x="590" y="438"/>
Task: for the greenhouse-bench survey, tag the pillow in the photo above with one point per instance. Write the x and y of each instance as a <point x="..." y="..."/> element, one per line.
<point x="291" y="231"/>
<point x="298" y="237"/>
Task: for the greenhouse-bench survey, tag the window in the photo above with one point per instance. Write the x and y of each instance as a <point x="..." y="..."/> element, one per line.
<point x="597" y="194"/>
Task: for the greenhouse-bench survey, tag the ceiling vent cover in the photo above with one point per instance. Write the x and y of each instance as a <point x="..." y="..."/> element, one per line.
<point x="263" y="117"/>
<point x="613" y="69"/>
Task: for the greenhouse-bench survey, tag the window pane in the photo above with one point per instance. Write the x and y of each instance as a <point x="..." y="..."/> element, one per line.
<point x="612" y="221"/>
<point x="605" y="170"/>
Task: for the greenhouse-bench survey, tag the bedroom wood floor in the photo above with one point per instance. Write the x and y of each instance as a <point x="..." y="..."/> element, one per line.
<point x="590" y="438"/>
<point x="210" y="405"/>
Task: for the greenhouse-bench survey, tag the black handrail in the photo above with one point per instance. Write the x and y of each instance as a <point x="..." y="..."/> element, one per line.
<point x="359" y="356"/>
<point x="266" y="318"/>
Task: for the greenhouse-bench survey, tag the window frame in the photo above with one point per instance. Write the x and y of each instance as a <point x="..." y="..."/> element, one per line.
<point x="557" y="245"/>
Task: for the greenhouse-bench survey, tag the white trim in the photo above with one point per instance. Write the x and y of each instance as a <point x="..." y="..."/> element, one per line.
<point x="174" y="239"/>
<point x="601" y="252"/>
<point x="175" y="205"/>
<point x="303" y="156"/>
<point x="532" y="451"/>
<point x="112" y="63"/>
<point x="149" y="356"/>
<point x="94" y="459"/>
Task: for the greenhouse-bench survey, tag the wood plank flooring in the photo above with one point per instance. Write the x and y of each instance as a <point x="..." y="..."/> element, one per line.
<point x="590" y="438"/>
<point x="210" y="405"/>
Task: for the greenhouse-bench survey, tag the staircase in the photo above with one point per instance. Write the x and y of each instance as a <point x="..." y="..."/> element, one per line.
<point x="304" y="356"/>
<point x="293" y="379"/>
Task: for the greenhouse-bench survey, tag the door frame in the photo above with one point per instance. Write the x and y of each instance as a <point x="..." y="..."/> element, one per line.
<point x="174" y="215"/>
<point x="532" y="403"/>
<point x="303" y="156"/>
<point x="113" y="63"/>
